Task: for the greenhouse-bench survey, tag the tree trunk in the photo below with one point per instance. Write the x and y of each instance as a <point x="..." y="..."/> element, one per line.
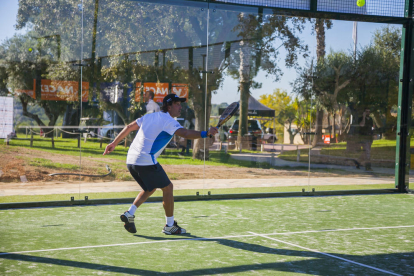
<point x="28" y="114"/>
<point x="333" y="126"/>
<point x="320" y="38"/>
<point x="291" y="138"/>
<point x="244" y="72"/>
<point x="244" y="107"/>
<point x="70" y="118"/>
<point x="318" y="128"/>
<point x="202" y="115"/>
<point x="320" y="53"/>
<point x="198" y="149"/>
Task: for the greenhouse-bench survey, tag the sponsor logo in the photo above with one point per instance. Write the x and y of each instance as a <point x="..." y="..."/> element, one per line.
<point x="180" y="89"/>
<point x="161" y="90"/>
<point x="63" y="90"/>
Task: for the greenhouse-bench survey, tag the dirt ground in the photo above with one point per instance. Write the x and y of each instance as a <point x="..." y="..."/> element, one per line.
<point x="17" y="162"/>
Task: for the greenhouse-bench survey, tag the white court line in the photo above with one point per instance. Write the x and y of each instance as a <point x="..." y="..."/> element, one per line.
<point x="200" y="239"/>
<point x="338" y="230"/>
<point x="326" y="254"/>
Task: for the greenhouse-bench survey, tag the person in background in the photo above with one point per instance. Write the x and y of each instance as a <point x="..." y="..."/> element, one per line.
<point x="366" y="127"/>
<point x="151" y="105"/>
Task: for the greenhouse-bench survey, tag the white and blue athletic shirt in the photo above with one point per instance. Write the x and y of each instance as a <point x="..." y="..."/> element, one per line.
<point x="155" y="132"/>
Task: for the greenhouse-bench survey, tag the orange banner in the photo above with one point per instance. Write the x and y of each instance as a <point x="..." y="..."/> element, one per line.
<point x="63" y="90"/>
<point x="85" y="91"/>
<point x="30" y="93"/>
<point x="161" y="90"/>
<point x="180" y="89"/>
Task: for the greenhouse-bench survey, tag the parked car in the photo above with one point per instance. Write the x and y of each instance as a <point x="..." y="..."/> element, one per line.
<point x="269" y="137"/>
<point x="254" y="130"/>
<point x="108" y="131"/>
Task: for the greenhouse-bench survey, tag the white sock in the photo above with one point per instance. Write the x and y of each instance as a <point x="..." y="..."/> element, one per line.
<point x="132" y="209"/>
<point x="170" y="221"/>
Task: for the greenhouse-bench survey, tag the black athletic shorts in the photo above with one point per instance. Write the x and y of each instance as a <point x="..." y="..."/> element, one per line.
<point x="149" y="177"/>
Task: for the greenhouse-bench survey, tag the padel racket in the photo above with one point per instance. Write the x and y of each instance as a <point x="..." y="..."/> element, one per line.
<point x="227" y="114"/>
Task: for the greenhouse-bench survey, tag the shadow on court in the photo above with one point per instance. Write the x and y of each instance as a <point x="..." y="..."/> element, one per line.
<point x="396" y="263"/>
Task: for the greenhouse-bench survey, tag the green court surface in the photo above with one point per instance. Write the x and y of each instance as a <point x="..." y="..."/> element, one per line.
<point x="336" y="235"/>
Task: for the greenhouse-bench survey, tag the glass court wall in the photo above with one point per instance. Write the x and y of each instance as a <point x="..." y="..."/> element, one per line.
<point x="316" y="112"/>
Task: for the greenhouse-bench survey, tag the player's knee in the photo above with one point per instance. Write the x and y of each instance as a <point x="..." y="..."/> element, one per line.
<point x="168" y="188"/>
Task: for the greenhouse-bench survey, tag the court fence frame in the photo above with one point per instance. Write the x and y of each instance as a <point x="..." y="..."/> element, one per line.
<point x="406" y="87"/>
<point x="349" y="13"/>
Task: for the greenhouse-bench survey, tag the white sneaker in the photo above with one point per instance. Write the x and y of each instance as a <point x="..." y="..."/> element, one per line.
<point x="173" y="230"/>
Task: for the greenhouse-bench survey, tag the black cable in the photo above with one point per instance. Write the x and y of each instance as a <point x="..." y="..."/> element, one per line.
<point x="90" y="175"/>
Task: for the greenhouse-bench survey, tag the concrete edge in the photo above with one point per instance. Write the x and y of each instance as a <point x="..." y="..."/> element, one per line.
<point x="16" y="205"/>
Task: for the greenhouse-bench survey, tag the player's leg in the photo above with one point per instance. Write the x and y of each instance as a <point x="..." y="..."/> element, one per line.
<point x="168" y="200"/>
<point x="171" y="227"/>
<point x="128" y="216"/>
<point x="142" y="197"/>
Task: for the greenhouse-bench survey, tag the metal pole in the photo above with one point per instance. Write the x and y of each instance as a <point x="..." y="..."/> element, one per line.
<point x="404" y="104"/>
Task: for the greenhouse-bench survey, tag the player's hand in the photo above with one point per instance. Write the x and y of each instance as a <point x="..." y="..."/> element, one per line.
<point x="109" y="148"/>
<point x="212" y="131"/>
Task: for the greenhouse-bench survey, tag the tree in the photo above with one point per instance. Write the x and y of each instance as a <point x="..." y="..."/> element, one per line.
<point x="258" y="50"/>
<point x="146" y="36"/>
<point x="20" y="67"/>
<point x="334" y="75"/>
<point x="343" y="85"/>
<point x="387" y="45"/>
<point x="289" y="112"/>
<point x="331" y="76"/>
<point x="319" y="28"/>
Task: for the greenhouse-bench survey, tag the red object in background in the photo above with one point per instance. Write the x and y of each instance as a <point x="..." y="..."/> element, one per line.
<point x="230" y="131"/>
<point x="326" y="139"/>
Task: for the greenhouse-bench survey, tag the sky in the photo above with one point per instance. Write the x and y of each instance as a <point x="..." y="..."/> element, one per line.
<point x="8" y="15"/>
<point x="338" y="38"/>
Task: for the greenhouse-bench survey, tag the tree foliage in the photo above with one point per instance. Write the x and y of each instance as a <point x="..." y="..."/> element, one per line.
<point x="343" y="86"/>
<point x="291" y="113"/>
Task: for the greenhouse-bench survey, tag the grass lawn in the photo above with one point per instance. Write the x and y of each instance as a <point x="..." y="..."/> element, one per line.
<point x="92" y="149"/>
<point x="339" y="235"/>
<point x="381" y="150"/>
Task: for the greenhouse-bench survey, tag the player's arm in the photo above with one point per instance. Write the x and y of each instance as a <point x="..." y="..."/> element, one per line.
<point x="124" y="133"/>
<point x="194" y="134"/>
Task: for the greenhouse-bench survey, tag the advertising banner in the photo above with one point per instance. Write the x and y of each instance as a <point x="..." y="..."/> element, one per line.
<point x="6" y="116"/>
<point x="180" y="89"/>
<point x="63" y="90"/>
<point x="161" y="90"/>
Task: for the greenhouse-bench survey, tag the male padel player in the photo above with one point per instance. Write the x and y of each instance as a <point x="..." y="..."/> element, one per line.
<point x="155" y="131"/>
